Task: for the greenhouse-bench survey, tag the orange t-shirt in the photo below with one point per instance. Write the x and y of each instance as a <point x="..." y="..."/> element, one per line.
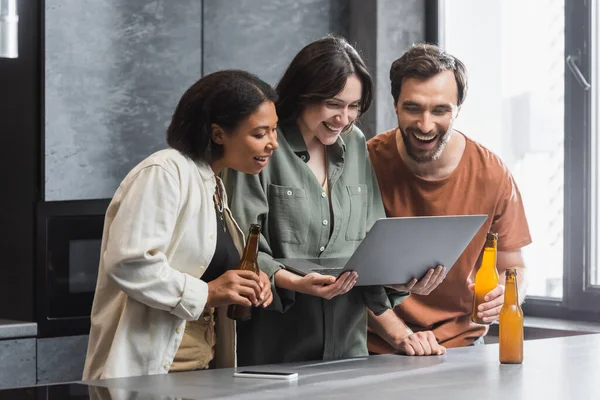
<point x="480" y="184"/>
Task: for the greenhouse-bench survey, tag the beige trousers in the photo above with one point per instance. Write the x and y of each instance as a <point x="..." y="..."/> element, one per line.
<point x="196" y="350"/>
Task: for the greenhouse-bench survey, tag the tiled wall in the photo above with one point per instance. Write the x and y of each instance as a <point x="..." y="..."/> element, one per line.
<point x="399" y="25"/>
<point x="263" y="36"/>
<point x="115" y="71"/>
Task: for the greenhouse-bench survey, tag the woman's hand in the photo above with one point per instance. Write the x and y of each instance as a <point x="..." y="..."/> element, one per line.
<point x="266" y="294"/>
<point x="326" y="286"/>
<point x="236" y="287"/>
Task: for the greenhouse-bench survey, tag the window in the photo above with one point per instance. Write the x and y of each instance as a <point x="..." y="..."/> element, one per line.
<point x="532" y="100"/>
<point x="513" y="51"/>
<point x="595" y="129"/>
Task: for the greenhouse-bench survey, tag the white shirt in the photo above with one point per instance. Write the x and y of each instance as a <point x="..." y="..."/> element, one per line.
<point x="159" y="237"/>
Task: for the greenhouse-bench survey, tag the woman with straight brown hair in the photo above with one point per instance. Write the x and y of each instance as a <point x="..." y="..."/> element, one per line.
<point x="317" y="198"/>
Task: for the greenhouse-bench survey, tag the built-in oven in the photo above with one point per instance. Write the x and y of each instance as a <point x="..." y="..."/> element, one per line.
<point x="69" y="240"/>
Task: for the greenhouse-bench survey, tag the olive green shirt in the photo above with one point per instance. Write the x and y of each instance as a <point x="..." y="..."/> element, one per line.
<point x="296" y="217"/>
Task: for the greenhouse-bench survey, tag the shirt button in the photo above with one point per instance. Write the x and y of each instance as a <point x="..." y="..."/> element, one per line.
<point x="211" y="236"/>
<point x="303" y="158"/>
<point x="207" y="318"/>
<point x="289" y="193"/>
<point x="178" y="330"/>
<point x="325" y="222"/>
<point x="322" y="248"/>
<point x="359" y="190"/>
<point x="166" y="365"/>
<point x="323" y="194"/>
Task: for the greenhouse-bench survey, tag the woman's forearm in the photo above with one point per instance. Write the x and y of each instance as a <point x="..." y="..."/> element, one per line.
<point x="287" y="280"/>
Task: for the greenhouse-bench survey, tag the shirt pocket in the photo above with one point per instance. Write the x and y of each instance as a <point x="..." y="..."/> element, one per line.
<point x="288" y="214"/>
<point x="357" y="222"/>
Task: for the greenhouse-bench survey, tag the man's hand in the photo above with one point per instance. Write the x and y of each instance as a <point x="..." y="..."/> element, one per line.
<point x="494" y="300"/>
<point x="425" y="285"/>
<point x="326" y="286"/>
<point x="421" y="344"/>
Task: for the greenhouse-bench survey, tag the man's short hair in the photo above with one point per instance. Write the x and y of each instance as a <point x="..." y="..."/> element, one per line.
<point x="423" y="61"/>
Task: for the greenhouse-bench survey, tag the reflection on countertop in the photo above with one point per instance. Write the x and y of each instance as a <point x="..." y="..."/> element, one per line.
<point x="75" y="391"/>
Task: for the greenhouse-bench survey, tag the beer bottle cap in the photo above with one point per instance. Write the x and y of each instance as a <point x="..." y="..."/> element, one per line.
<point x="255" y="228"/>
<point x="511" y="272"/>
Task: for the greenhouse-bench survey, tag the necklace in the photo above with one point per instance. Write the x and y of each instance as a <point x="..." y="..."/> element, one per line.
<point x="219" y="206"/>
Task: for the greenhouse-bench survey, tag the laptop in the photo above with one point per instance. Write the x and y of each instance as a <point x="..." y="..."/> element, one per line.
<point x="397" y="250"/>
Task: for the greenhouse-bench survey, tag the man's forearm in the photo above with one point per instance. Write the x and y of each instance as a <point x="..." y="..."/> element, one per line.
<point x="513" y="259"/>
<point x="521" y="283"/>
<point x="390" y="327"/>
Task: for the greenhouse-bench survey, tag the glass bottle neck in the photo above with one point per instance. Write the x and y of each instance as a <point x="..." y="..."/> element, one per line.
<point x="488" y="259"/>
<point x="491" y="240"/>
<point x="511" y="294"/>
<point x="251" y="250"/>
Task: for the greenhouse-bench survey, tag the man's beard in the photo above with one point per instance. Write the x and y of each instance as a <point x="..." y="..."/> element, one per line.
<point x="420" y="156"/>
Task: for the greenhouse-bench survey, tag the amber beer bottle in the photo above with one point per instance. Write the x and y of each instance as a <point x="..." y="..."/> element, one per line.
<point x="511" y="322"/>
<point x="486" y="278"/>
<point x="248" y="263"/>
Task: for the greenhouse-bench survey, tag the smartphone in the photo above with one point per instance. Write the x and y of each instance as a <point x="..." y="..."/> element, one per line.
<point x="288" y="376"/>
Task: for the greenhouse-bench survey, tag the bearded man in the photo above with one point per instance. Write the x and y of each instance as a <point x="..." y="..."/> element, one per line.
<point x="425" y="167"/>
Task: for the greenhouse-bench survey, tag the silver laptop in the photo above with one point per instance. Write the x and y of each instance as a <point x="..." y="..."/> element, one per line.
<point x="396" y="250"/>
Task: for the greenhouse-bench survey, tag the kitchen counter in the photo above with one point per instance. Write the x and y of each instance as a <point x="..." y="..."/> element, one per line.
<point x="10" y="329"/>
<point x="557" y="368"/>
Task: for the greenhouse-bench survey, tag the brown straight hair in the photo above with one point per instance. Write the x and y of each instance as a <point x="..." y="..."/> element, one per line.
<point x="319" y="72"/>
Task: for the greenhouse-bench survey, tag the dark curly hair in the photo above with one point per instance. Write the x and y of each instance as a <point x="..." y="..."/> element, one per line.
<point x="422" y="61"/>
<point x="225" y="98"/>
<point x="319" y="72"/>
